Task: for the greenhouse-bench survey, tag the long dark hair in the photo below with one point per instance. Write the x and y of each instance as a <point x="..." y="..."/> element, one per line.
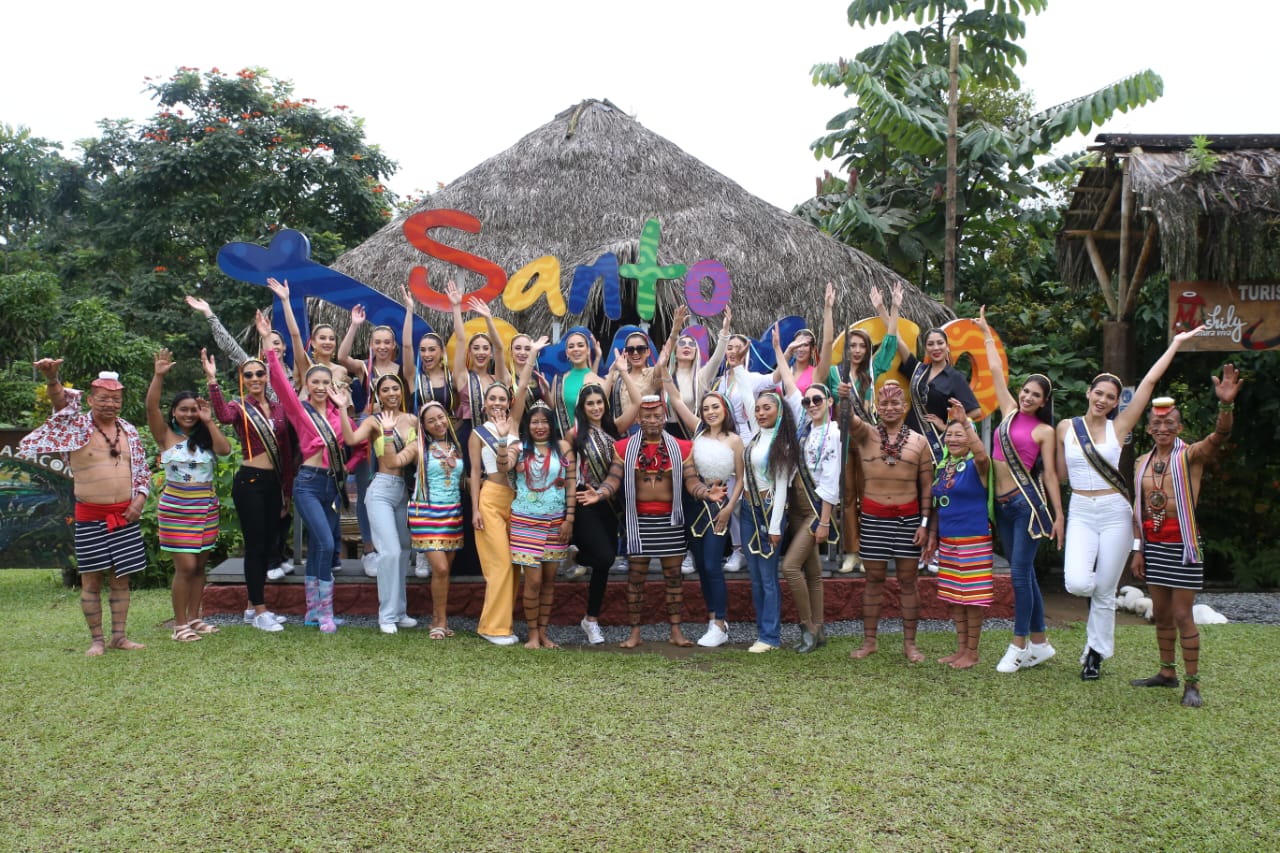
<point x="863" y="371"/>
<point x="200" y="436"/>
<point x="527" y="449"/>
<point x="1045" y="412"/>
<point x="582" y="424"/>
<point x="730" y="424"/>
<point x="784" y="452"/>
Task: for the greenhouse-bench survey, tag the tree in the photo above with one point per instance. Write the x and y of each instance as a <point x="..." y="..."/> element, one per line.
<point x="226" y="157"/>
<point x="892" y="143"/>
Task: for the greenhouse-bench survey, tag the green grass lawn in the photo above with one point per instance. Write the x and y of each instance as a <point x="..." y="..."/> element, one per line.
<point x="359" y="741"/>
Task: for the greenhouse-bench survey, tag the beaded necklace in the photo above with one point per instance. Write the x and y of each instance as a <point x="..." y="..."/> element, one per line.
<point x="891" y="451"/>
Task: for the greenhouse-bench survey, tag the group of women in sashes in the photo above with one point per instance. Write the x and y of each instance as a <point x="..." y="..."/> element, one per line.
<point x="447" y="447"/>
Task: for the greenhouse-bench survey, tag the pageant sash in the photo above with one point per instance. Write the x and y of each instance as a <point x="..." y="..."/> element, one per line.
<point x="1032" y="488"/>
<point x="920" y="393"/>
<point x="265" y="432"/>
<point x="1104" y="468"/>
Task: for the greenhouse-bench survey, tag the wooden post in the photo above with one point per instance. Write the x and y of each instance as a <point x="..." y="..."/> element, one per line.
<point x="953" y="106"/>
<point x="1126" y="219"/>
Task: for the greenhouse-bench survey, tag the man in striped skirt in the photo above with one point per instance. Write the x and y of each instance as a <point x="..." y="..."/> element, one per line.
<point x="111" y="486"/>
<point x="896" y="505"/>
<point x="1168" y="550"/>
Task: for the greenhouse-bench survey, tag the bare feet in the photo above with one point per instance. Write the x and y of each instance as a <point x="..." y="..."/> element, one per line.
<point x="913" y="654"/>
<point x="96" y="648"/>
<point x="125" y="644"/>
<point x="954" y="656"/>
<point x="546" y="641"/>
<point x="965" y="661"/>
<point x="533" y="642"/>
<point x="678" y="638"/>
<point x="632" y="641"/>
<point x="869" y="647"/>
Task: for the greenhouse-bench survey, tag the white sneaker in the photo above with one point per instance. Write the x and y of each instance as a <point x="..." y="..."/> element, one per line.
<point x="760" y="647"/>
<point x="370" y="563"/>
<point x="387" y="627"/>
<point x="851" y="565"/>
<point x="421" y="568"/>
<point x="1038" y="653"/>
<point x="407" y="622"/>
<point x="250" y="614"/>
<point x="285" y="568"/>
<point x="736" y="562"/>
<point x="1013" y="659"/>
<point x="577" y="571"/>
<point x="507" y="640"/>
<point x="687" y="567"/>
<point x="267" y="621"/>
<point x="715" y="636"/>
<point x="619" y="567"/>
<point x="592" y="629"/>
<point x="932" y="567"/>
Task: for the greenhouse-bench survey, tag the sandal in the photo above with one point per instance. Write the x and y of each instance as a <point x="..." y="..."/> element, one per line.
<point x="185" y="634"/>
<point x="202" y="627"/>
<point x="440" y="633"/>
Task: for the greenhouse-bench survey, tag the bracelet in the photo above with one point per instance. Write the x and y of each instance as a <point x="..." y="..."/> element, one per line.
<point x="1226" y="407"/>
<point x="924" y="521"/>
<point x="57" y="380"/>
<point x="1137" y="544"/>
<point x="824" y="524"/>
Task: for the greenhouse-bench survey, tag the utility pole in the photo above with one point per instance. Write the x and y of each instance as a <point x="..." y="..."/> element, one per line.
<point x="953" y="108"/>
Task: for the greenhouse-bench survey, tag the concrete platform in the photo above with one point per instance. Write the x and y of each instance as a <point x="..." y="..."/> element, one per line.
<point x="357" y="595"/>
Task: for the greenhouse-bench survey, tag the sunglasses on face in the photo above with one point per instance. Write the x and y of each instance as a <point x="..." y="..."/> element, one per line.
<point x="254" y="374"/>
<point x="635" y="350"/>
<point x="815" y="400"/>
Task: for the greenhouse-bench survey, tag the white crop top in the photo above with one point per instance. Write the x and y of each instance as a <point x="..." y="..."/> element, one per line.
<point x="1080" y="474"/>
<point x="489" y="459"/>
<point x="714" y="459"/>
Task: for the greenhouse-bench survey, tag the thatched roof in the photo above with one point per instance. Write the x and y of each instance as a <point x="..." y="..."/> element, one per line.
<point x="585" y="183"/>
<point x="1220" y="222"/>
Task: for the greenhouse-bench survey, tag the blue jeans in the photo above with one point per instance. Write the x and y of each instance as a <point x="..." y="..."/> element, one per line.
<point x="314" y="492"/>
<point x="708" y="557"/>
<point x="766" y="593"/>
<point x="1020" y="549"/>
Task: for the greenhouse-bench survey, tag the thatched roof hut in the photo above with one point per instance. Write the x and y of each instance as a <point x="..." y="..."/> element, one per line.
<point x="585" y="183"/>
<point x="1213" y="215"/>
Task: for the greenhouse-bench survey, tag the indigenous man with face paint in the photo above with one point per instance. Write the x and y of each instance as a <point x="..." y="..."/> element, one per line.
<point x="898" y="473"/>
<point x="111" y="486"/>
<point x="1168" y="551"/>
<point x="654" y="514"/>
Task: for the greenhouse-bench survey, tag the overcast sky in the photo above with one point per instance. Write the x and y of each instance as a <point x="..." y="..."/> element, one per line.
<point x="444" y="86"/>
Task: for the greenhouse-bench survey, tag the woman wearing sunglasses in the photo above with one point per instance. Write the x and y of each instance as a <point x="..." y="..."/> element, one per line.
<point x="263" y="485"/>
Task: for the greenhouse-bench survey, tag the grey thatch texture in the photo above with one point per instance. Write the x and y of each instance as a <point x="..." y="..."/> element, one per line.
<point x="584" y="184"/>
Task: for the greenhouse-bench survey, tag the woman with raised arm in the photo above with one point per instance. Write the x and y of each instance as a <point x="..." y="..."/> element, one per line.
<point x="934" y="383"/>
<point x="263" y="485"/>
<point x="491" y="496"/>
<point x="321" y="348"/>
<point x="638" y="367"/>
<point x="480" y="360"/>
<point x="384" y="355"/>
<point x="388" y="434"/>
<point x="318" y="424"/>
<point x="187" y="515"/>
<point x="228" y="344"/>
<point x="531" y="385"/>
<point x="718" y="456"/>
<point x="429" y="378"/>
<point x="857" y="392"/>
<point x="960" y="534"/>
<point x="1100" y="517"/>
<point x="691" y="380"/>
<point x="1028" y="499"/>
<point x="435" y="510"/>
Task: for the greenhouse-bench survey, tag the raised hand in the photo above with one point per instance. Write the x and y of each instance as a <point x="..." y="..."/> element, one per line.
<point x="501" y="423"/>
<point x="454" y="293"/>
<point x="48" y="367"/>
<point x="829" y="298"/>
<point x="956" y="411"/>
<point x="204" y="410"/>
<point x="1182" y="337"/>
<point x="877" y="301"/>
<point x="210" y="369"/>
<point x="406" y="296"/>
<point x="357" y="315"/>
<point x="899" y="293"/>
<point x="262" y="324"/>
<point x="981" y="321"/>
<point x="164" y="362"/>
<point x="341" y="397"/>
<point x="279" y="289"/>
<point x="680" y="318"/>
<point x="387" y="420"/>
<point x="728" y="320"/>
<point x="540" y="343"/>
<point x="1228" y="386"/>
<point x="200" y="305"/>
<point x="476" y="305"/>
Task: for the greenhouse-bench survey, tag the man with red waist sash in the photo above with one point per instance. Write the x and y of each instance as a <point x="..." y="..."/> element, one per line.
<point x="1168" y="550"/>
<point x="111" y="486"/>
<point x="898" y="469"/>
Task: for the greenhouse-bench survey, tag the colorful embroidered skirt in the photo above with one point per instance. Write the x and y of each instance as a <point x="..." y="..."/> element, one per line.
<point x="535" y="539"/>
<point x="188" y="518"/>
<point x="435" y="527"/>
<point x="964" y="570"/>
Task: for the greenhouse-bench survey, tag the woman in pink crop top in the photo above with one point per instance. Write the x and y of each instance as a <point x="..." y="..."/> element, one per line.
<point x="1028" y="500"/>
<point x="1100" y="519"/>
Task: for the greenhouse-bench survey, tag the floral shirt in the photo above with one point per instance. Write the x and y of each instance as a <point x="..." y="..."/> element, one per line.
<point x="70" y="429"/>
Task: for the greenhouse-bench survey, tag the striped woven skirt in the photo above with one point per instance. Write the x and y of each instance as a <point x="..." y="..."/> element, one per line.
<point x="964" y="570"/>
<point x="435" y="527"/>
<point x="1165" y="568"/>
<point x="188" y="518"/>
<point x="535" y="539"/>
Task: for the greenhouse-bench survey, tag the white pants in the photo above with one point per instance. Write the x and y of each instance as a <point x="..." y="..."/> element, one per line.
<point x="1099" y="538"/>
<point x="388" y="519"/>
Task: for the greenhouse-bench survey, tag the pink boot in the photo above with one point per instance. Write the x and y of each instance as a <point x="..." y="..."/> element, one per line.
<point x="311" y="589"/>
<point x="324" y="607"/>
